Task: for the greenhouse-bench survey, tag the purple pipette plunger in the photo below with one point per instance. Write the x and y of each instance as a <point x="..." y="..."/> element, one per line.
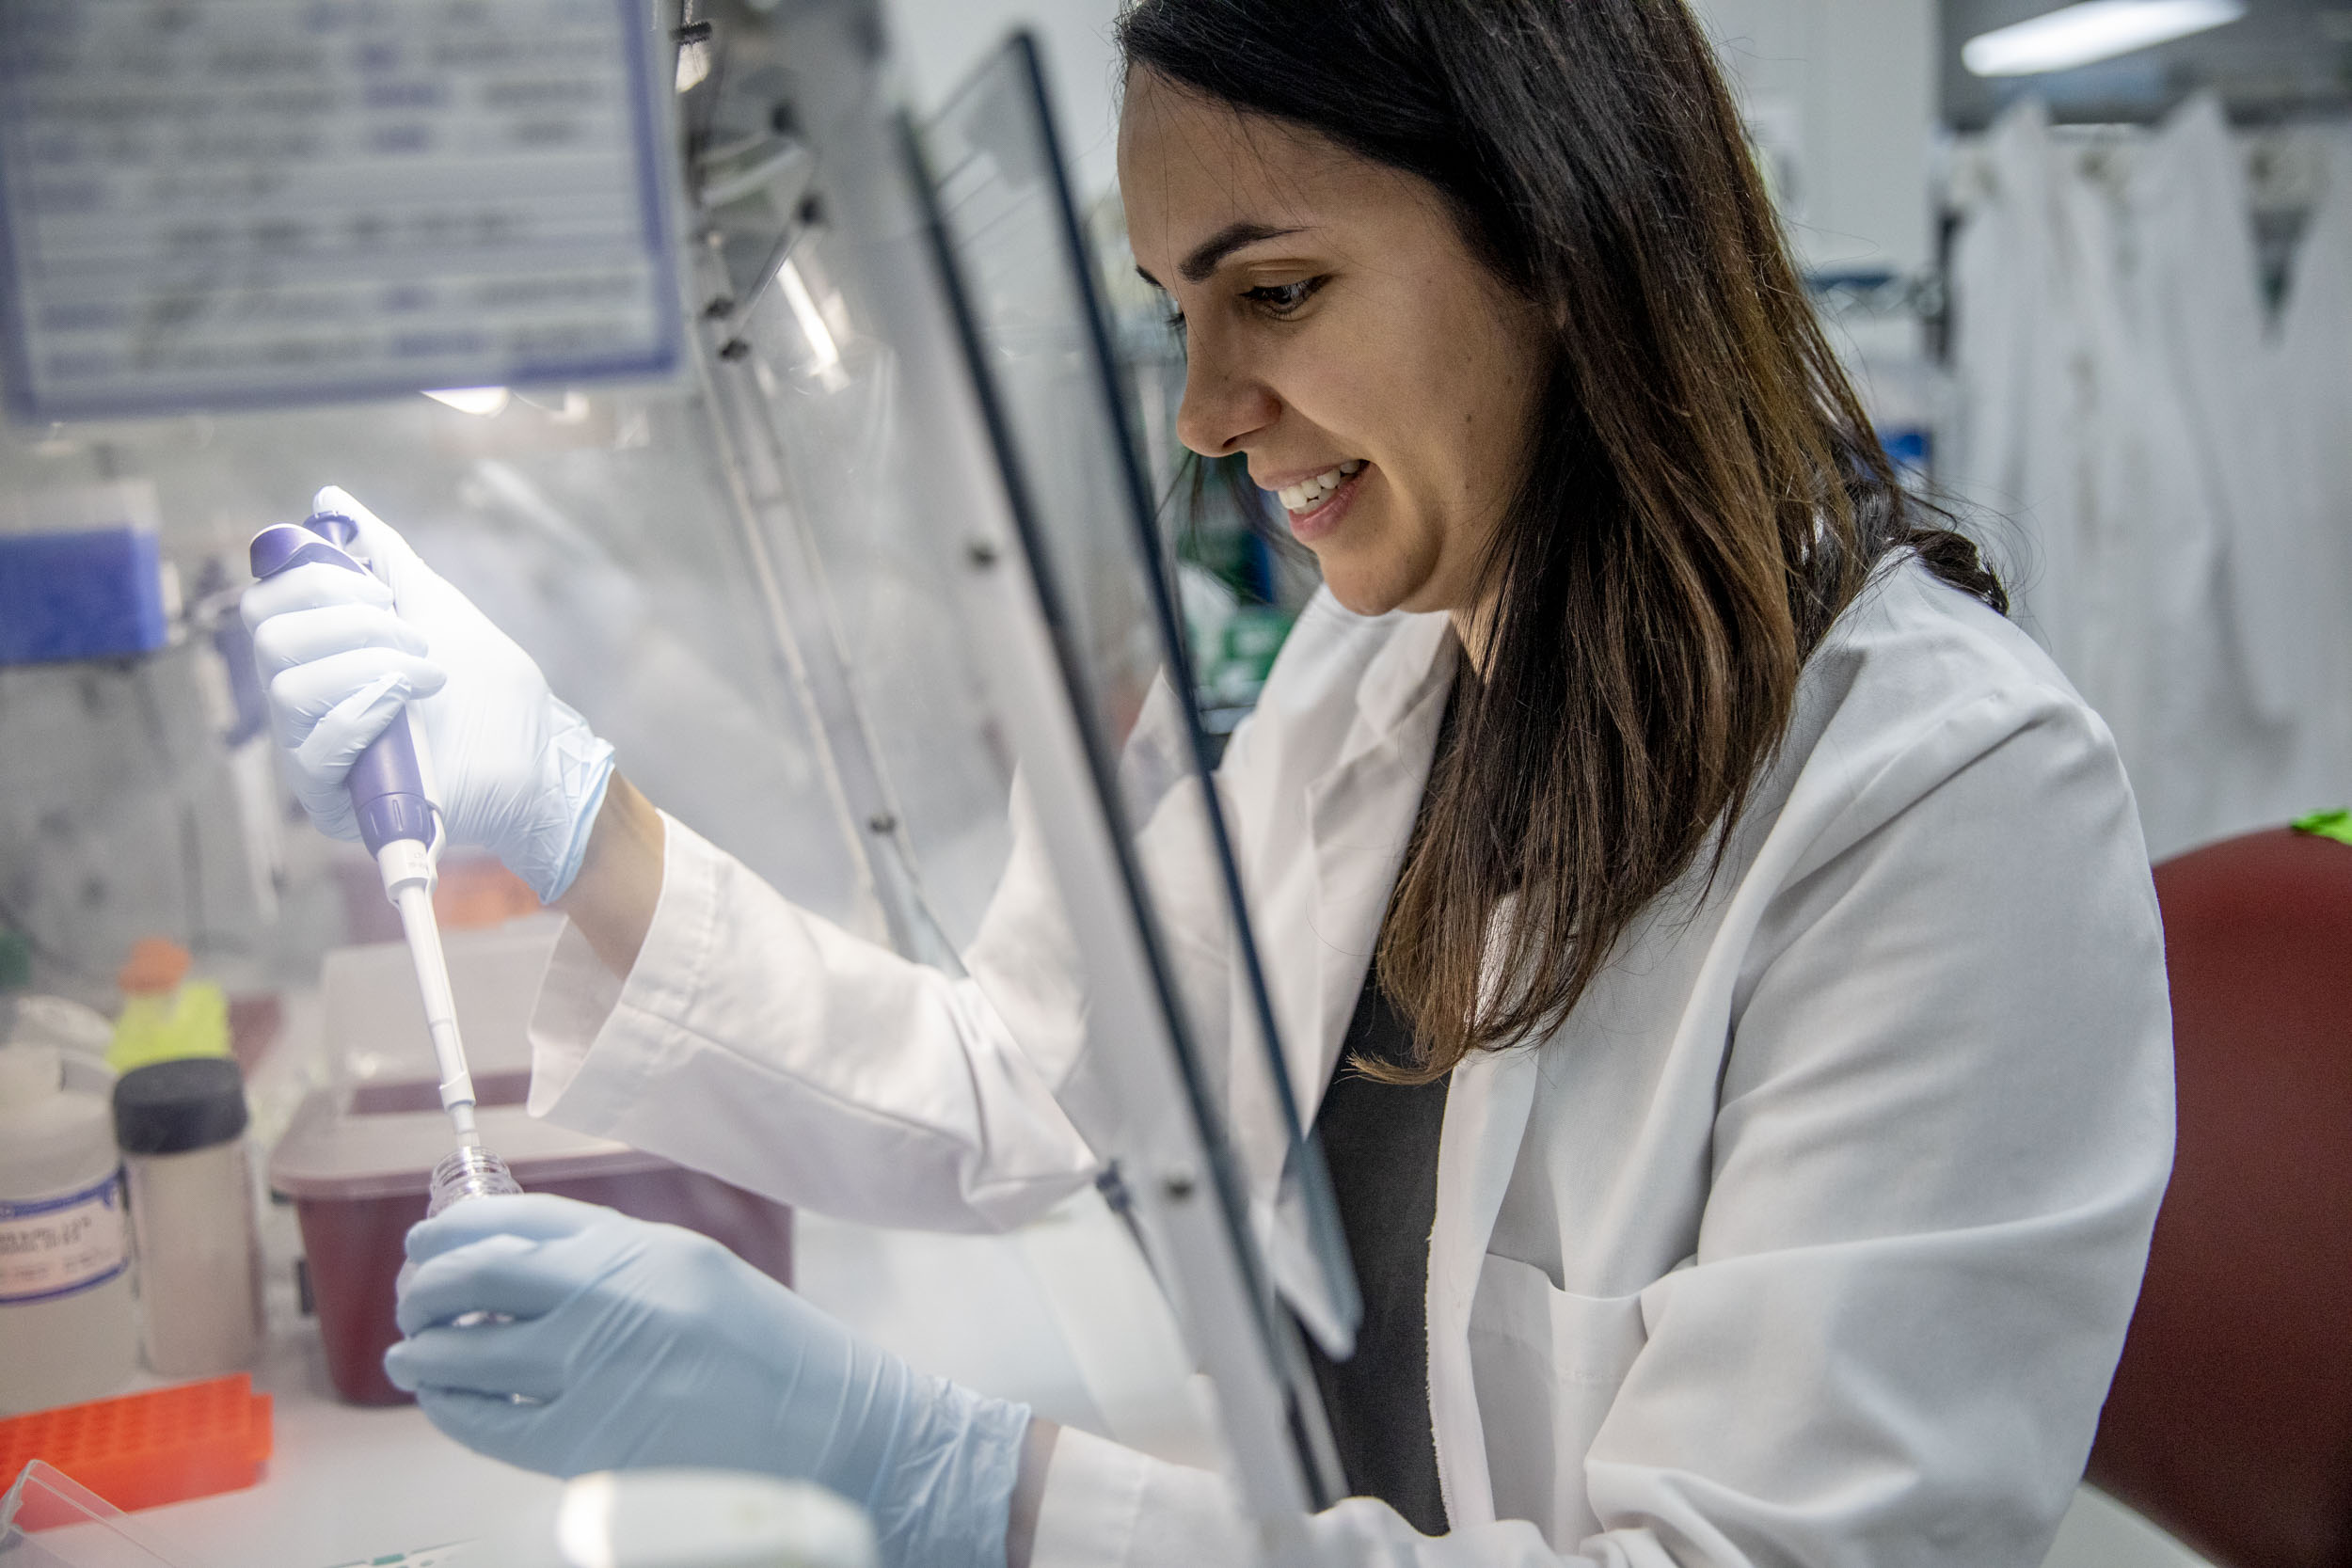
<point x="387" y="786"/>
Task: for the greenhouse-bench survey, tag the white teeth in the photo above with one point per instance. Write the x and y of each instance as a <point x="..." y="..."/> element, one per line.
<point x="1308" y="494"/>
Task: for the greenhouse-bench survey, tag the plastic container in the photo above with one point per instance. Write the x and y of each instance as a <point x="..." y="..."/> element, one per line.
<point x="182" y="1128"/>
<point x="359" y="1156"/>
<point x="66" y="1327"/>
<point x="29" y="1018"/>
<point x="88" y="593"/>
<point x="360" y="1168"/>
<point x="82" y="1529"/>
<point x="165" y="1014"/>
<point x="666" y="1518"/>
<point x="468" y="1172"/>
<point x="143" y="1450"/>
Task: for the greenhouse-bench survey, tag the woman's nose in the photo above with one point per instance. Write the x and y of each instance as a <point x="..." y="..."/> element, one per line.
<point x="1221" y="407"/>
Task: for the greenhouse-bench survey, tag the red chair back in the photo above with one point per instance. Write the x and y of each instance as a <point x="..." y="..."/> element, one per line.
<point x="2230" y="1422"/>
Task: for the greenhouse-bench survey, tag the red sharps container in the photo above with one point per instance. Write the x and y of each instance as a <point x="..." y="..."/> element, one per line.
<point x="356" y="1162"/>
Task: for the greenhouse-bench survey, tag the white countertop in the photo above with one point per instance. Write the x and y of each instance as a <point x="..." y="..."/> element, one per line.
<point x="1062" y="1315"/>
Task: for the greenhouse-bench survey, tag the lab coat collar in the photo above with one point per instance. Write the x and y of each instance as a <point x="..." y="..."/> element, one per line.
<point x="1416" y="660"/>
<point x="1487" y="1109"/>
<point x="1359" y="814"/>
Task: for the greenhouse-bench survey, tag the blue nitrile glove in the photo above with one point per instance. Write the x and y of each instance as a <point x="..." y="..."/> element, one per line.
<point x="645" y="1344"/>
<point x="515" y="771"/>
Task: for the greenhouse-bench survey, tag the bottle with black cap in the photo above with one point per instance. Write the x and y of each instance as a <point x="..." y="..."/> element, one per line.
<point x="182" y="1127"/>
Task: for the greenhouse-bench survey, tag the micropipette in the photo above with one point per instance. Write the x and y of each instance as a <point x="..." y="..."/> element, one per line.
<point x="401" y="828"/>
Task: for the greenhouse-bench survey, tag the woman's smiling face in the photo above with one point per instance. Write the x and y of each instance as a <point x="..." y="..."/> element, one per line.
<point x="1340" y="333"/>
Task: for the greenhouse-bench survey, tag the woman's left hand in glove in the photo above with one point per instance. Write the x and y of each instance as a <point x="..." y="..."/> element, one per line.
<point x="612" y="1344"/>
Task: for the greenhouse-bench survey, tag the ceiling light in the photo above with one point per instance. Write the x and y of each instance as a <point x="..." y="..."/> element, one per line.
<point x="2094" y="30"/>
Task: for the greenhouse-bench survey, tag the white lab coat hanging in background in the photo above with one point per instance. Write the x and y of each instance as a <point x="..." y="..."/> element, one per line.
<point x="2124" y="409"/>
<point x="2311" y="367"/>
<point x="2195" y="288"/>
<point x="2072" y="437"/>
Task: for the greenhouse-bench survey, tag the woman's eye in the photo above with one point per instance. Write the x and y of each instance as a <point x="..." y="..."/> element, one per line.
<point x="1278" y="300"/>
<point x="1282" y="299"/>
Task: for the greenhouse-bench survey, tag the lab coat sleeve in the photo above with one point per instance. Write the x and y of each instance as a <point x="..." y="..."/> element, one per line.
<point x="1110" y="1507"/>
<point x="1944" y="1128"/>
<point x="766" y="1046"/>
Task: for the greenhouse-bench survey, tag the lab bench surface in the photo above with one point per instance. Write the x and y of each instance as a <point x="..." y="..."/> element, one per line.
<point x="1061" y="1315"/>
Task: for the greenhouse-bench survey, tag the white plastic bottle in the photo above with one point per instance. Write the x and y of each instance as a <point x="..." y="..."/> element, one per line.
<point x="686" y="1519"/>
<point x="66" y="1327"/>
<point x="181" y="1125"/>
<point x="28" y="1019"/>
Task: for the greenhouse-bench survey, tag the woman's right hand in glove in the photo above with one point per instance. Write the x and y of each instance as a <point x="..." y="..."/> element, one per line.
<point x="514" y="771"/>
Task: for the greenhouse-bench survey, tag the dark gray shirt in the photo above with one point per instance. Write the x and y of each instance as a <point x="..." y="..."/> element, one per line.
<point x="1381" y="1143"/>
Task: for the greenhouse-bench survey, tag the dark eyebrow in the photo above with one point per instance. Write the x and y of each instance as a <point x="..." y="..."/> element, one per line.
<point x="1210" y="254"/>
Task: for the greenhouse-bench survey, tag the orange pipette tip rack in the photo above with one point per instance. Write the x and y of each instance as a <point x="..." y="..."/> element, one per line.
<point x="142" y="1450"/>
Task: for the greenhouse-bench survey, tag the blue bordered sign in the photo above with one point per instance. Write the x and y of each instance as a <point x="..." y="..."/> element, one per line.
<point x="67" y="1242"/>
<point x="227" y="203"/>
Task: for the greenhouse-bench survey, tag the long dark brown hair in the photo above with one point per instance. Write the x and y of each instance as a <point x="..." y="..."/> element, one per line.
<point x="1703" y="495"/>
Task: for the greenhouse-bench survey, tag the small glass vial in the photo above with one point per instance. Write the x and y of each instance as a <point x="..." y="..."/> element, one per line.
<point x="469" y="1171"/>
<point x="182" y="1127"/>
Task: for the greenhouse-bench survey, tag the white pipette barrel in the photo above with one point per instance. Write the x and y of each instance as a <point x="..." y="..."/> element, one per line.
<point x="407" y="869"/>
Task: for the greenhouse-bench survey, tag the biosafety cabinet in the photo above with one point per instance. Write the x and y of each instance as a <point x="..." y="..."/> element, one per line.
<point x="799" y="443"/>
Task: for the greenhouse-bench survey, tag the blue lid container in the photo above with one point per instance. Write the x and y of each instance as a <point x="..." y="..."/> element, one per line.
<point x="88" y="593"/>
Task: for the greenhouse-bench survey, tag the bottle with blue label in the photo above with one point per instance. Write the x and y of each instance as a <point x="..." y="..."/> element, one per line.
<point x="67" y="1333"/>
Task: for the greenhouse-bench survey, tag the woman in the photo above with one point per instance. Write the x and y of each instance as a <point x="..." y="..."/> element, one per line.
<point x="1750" y="1126"/>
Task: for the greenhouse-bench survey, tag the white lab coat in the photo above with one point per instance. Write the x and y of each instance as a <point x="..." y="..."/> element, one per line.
<point x="2126" y="411"/>
<point x="2032" y="342"/>
<point x="2196" y="289"/>
<point x="2194" y="286"/>
<point x="2310" y="366"/>
<point x="2077" y="434"/>
<point x="1811" y="1237"/>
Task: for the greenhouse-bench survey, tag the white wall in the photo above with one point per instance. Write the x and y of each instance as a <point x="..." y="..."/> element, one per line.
<point x="1841" y="93"/>
<point x="940" y="40"/>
